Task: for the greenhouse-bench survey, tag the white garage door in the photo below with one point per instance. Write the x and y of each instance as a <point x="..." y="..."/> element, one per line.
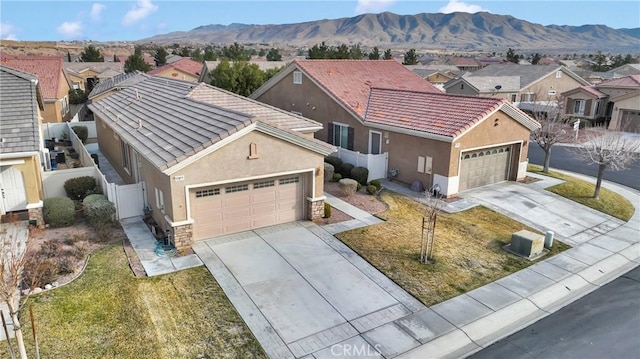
<point x="483" y="167"/>
<point x="243" y="206"/>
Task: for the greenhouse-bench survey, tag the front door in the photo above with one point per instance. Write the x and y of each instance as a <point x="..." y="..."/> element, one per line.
<point x="14" y="197"/>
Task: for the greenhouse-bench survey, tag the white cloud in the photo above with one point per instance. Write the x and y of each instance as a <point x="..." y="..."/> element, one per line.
<point x="139" y="11"/>
<point x="459" y="6"/>
<point x="7" y="32"/>
<point x="70" y="29"/>
<point x="366" y="6"/>
<point x="96" y="9"/>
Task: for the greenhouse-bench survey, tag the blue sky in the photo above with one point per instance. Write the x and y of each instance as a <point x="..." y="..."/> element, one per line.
<point x="133" y="20"/>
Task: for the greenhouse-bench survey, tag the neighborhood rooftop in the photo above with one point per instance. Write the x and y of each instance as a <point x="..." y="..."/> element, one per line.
<point x="439" y="114"/>
<point x="18" y="111"/>
<point x="184" y="64"/>
<point x="527" y="74"/>
<point x="118" y="81"/>
<point x="48" y="70"/>
<point x="350" y="81"/>
<point x="627" y="81"/>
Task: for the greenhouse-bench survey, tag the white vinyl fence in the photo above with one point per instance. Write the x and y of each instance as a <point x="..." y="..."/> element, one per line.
<point x="376" y="164"/>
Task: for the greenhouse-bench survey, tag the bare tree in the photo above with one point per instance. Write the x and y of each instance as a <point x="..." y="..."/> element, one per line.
<point x="432" y="206"/>
<point x="548" y="110"/>
<point x="612" y="150"/>
<point x="13" y="251"/>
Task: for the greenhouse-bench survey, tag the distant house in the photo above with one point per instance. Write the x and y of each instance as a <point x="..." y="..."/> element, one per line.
<point x="523" y="85"/>
<point x="438" y="75"/>
<point x="548" y="61"/>
<point x="182" y="69"/>
<point x="616" y="101"/>
<point x="85" y="75"/>
<point x="209" y="66"/>
<point x="382" y="110"/>
<point x="625" y="70"/>
<point x="465" y="63"/>
<point x="21" y="143"/>
<point x="53" y="81"/>
<point x="212" y="162"/>
<point x="171" y="58"/>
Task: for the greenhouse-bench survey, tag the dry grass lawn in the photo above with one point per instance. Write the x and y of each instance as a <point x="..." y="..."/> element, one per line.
<point x="108" y="313"/>
<point x="468" y="249"/>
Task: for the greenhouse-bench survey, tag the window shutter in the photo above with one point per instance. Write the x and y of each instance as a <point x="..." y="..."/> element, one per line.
<point x="330" y="131"/>
<point x="350" y="138"/>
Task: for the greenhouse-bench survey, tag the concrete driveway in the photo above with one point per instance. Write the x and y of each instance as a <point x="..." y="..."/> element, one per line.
<point x="301" y="291"/>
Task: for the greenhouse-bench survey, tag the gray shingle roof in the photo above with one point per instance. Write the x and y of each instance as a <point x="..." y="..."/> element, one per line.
<point x="19" y="127"/>
<point x="122" y="80"/>
<point x="489" y="83"/>
<point x="98" y="67"/>
<point x="527" y="73"/>
<point x="160" y="119"/>
<point x="274" y="116"/>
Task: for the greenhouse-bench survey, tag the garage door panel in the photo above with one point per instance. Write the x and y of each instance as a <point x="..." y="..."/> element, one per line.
<point x="483" y="167"/>
<point x="247" y="205"/>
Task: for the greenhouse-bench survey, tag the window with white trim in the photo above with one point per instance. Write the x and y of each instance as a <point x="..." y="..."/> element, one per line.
<point x="340" y="135"/>
<point x="159" y="200"/>
<point x="558" y="74"/>
<point x="514" y="97"/>
<point x="578" y="107"/>
<point x="297" y="78"/>
<point x="208" y="192"/>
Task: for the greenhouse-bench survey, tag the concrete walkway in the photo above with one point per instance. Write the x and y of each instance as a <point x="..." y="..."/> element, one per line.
<point x="8" y="232"/>
<point x="144" y="243"/>
<point x="360" y="218"/>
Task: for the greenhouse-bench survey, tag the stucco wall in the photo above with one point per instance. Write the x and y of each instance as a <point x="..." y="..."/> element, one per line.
<point x="110" y="148"/>
<point x="462" y="89"/>
<point x="550" y="82"/>
<point x="31" y="176"/>
<point x="173" y="73"/>
<point x="630" y="104"/>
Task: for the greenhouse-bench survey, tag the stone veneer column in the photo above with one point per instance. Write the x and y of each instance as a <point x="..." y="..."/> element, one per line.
<point x="183" y="236"/>
<point x="35" y="214"/>
<point x="315" y="208"/>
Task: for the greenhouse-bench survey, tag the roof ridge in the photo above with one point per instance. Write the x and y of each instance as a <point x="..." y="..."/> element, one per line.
<point x="478" y="98"/>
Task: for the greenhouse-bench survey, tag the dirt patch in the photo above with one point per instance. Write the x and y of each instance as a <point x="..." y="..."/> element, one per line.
<point x="337" y="216"/>
<point x="132" y="257"/>
<point x="361" y="199"/>
<point x="528" y="180"/>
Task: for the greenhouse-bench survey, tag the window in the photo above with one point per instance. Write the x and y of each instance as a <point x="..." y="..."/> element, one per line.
<point x="558" y="74"/>
<point x="514" y="97"/>
<point x="64" y="102"/>
<point x="578" y="107"/>
<point x="76" y="85"/>
<point x="461" y="86"/>
<point x="289" y="180"/>
<point x="208" y="192"/>
<point x="375" y="142"/>
<point x="238" y="188"/>
<point x="297" y="77"/>
<point x="597" y="108"/>
<point x="126" y="159"/>
<point x="528" y="97"/>
<point x="341" y="135"/>
<point x="264" y="184"/>
<point x="159" y="200"/>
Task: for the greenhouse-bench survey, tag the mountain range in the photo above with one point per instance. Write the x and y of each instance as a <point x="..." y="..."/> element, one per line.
<point x="459" y="31"/>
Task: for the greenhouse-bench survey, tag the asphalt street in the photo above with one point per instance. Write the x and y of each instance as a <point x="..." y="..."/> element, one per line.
<point x="562" y="158"/>
<point x="603" y="324"/>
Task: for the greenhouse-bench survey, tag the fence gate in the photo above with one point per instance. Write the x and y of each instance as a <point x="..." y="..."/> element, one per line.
<point x="130" y="200"/>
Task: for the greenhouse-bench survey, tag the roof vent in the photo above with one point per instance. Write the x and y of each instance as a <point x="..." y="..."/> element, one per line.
<point x="498" y="87"/>
<point x="117" y="118"/>
<point x="137" y="95"/>
<point x="139" y="124"/>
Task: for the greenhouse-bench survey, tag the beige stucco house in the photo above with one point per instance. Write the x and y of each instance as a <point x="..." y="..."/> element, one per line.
<point x="85" y="75"/>
<point x="52" y="79"/>
<point x="381" y="107"/>
<point x="182" y="69"/>
<point x="212" y="162"/>
<point x="20" y="144"/>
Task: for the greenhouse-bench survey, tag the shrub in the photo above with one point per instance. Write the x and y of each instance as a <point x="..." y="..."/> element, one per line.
<point x="345" y="170"/>
<point x="358" y="186"/>
<point x="334" y="161"/>
<point x="348" y="186"/>
<point x="74" y="237"/>
<point x="93" y="198"/>
<point x="99" y="212"/>
<point x="80" y="187"/>
<point x="38" y="271"/>
<point x="82" y="132"/>
<point x="66" y="265"/>
<point x="376" y="183"/>
<point x="50" y="248"/>
<point x="337" y="177"/>
<point x="360" y="174"/>
<point x="327" y="210"/>
<point x="371" y="189"/>
<point x="59" y="212"/>
<point x="329" y="170"/>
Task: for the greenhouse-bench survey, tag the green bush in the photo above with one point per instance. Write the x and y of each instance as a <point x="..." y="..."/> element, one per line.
<point x="337" y="177"/>
<point x="329" y="171"/>
<point x="100" y="212"/>
<point x="360" y="174"/>
<point x="59" y="212"/>
<point x="80" y="187"/>
<point x="371" y="189"/>
<point x="334" y="161"/>
<point x="82" y="132"/>
<point x="345" y="170"/>
<point x="348" y="186"/>
<point x="93" y="198"/>
<point x="376" y="183"/>
<point x="327" y="210"/>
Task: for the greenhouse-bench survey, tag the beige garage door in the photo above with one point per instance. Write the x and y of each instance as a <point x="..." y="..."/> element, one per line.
<point x="483" y="167"/>
<point x="243" y="206"/>
<point x="630" y="121"/>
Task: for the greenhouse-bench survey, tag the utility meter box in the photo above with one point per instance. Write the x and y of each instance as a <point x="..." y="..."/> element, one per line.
<point x="527" y="243"/>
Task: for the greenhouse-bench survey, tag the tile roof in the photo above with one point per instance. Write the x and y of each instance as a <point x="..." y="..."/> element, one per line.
<point x="231" y="101"/>
<point x="528" y="73"/>
<point x="592" y="90"/>
<point x="19" y="127"/>
<point x="98" y="67"/>
<point x="118" y="81"/>
<point x="48" y="69"/>
<point x="464" y="61"/>
<point x="163" y="123"/>
<point x="632" y="81"/>
<point x="185" y="64"/>
<point x="349" y="81"/>
<point x="438" y="114"/>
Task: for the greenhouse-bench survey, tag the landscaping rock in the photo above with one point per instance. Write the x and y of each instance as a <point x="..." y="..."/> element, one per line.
<point x="36" y="290"/>
<point x="55" y="284"/>
<point x="48" y="286"/>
